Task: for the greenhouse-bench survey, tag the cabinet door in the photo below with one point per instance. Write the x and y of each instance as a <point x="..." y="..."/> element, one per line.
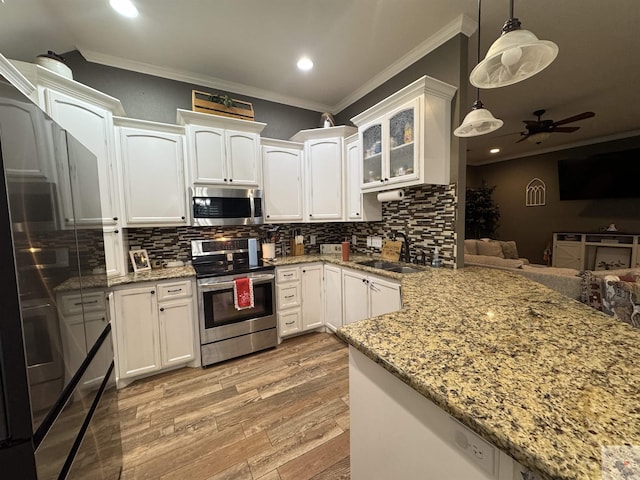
<point x="354" y="194"/>
<point x="312" y="301"/>
<point x="371" y="144"/>
<point x="29" y="152"/>
<point x="243" y="153"/>
<point x="93" y="127"/>
<point x="324" y="179"/>
<point x="137" y="332"/>
<point x="333" y="296"/>
<point x="206" y="155"/>
<point x="176" y="331"/>
<point x="355" y="294"/>
<point x="384" y="296"/>
<point x="153" y="177"/>
<point x="282" y="171"/>
<point x="568" y="255"/>
<point x="113" y="251"/>
<point x="401" y="127"/>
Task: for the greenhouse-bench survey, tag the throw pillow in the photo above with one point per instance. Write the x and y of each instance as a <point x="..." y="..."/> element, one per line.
<point x="591" y="290"/>
<point x="509" y="249"/>
<point x="491" y="248"/>
<point x="470" y="247"/>
<point x="623" y="300"/>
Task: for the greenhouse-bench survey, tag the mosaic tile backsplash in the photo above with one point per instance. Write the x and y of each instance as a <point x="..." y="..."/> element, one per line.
<point x="427" y="215"/>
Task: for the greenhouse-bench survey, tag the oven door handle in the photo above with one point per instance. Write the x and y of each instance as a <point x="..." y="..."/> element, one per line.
<point x="257" y="280"/>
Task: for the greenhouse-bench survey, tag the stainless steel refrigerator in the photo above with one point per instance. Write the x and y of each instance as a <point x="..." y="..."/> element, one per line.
<point x="58" y="406"/>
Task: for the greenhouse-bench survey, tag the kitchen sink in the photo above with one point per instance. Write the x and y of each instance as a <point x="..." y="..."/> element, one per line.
<point x="388" y="266"/>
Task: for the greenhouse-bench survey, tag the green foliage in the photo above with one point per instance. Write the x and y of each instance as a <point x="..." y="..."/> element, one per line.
<point x="481" y="212"/>
<point x="225" y="100"/>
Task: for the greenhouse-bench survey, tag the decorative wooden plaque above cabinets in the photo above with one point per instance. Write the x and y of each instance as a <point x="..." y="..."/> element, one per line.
<point x="405" y="138"/>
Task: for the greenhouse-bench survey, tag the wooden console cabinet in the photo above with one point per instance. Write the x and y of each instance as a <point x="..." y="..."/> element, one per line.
<point x="596" y="251"/>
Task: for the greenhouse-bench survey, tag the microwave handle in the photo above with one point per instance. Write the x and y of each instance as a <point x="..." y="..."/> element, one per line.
<point x="252" y="206"/>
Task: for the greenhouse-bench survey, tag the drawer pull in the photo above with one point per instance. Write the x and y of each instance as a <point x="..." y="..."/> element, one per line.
<point x="289" y="296"/>
<point x="174" y="291"/>
<point x="289" y="323"/>
<point x="86" y="303"/>
<point x="288" y="275"/>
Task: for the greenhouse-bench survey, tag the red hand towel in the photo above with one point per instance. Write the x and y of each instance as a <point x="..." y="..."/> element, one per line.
<point x="243" y="293"/>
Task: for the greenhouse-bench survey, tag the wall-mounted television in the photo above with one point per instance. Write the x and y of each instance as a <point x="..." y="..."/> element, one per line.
<point x="606" y="175"/>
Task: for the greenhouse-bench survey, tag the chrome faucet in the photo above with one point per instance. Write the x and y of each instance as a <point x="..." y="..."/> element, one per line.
<point x="405" y="246"/>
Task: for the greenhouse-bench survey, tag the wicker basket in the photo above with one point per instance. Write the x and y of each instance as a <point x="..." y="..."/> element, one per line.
<point x="200" y="103"/>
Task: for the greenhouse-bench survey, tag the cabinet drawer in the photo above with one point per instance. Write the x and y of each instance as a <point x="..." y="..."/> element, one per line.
<point x="287" y="274"/>
<point x="288" y="295"/>
<point x="289" y="322"/>
<point x="73" y="304"/>
<point x="168" y="291"/>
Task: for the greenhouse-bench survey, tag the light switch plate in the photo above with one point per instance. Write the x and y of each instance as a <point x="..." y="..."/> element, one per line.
<point x="354" y="240"/>
<point x="376" y="242"/>
<point x="368" y="241"/>
<point x="312" y="239"/>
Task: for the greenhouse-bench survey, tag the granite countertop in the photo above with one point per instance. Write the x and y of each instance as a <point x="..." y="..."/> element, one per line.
<point x="545" y="378"/>
<point x="100" y="281"/>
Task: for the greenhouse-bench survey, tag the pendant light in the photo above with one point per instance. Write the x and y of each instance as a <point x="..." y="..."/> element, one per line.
<point x="479" y="120"/>
<point x="515" y="56"/>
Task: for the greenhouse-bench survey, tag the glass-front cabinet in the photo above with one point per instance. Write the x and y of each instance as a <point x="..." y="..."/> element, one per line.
<point x="405" y="138"/>
<point x="389" y="147"/>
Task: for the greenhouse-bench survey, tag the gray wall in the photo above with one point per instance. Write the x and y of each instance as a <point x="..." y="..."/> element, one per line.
<point x="532" y="227"/>
<point x="153" y="98"/>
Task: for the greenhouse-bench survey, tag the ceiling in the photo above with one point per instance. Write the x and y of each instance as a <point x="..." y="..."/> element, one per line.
<point x="251" y="47"/>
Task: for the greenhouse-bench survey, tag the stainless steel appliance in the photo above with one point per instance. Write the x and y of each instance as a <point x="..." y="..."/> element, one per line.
<point x="47" y="405"/>
<point x="226" y="332"/>
<point x="226" y="206"/>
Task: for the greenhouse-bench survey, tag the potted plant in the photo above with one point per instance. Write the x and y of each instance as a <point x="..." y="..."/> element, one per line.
<point x="481" y="212"/>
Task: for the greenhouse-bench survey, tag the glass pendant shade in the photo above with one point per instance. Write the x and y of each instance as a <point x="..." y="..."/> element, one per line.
<point x="515" y="56"/>
<point x="478" y="121"/>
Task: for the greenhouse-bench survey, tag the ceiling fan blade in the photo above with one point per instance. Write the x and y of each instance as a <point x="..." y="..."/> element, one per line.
<point x="524" y="137"/>
<point x="565" y="129"/>
<point x="575" y="118"/>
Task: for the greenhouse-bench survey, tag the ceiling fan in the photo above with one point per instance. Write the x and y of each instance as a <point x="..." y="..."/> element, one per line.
<point x="539" y="130"/>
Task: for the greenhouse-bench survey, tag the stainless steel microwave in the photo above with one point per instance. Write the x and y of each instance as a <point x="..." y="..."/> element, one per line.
<point x="226" y="206"/>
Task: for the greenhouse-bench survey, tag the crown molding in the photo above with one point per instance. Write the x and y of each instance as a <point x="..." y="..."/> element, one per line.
<point x="201" y="80"/>
<point x="15" y="77"/>
<point x="462" y="24"/>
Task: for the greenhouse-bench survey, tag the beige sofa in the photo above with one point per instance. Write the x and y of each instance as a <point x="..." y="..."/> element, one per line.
<point x="504" y="255"/>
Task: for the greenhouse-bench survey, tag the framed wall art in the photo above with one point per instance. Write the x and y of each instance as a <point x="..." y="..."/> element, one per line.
<point x="140" y="260"/>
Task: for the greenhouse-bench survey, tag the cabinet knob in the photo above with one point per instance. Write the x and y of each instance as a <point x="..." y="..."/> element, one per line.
<point x="162" y="309"/>
<point x="357" y="214"/>
<point x="364" y="280"/>
<point x="386" y="179"/>
<point x="153" y="292"/>
<point x="268" y="216"/>
<point x="115" y="219"/>
<point x="310" y="215"/>
<point x="304" y="271"/>
<point x="224" y="179"/>
<point x="231" y="179"/>
<point x="382" y="180"/>
<point x="182" y="217"/>
<point x="116" y="231"/>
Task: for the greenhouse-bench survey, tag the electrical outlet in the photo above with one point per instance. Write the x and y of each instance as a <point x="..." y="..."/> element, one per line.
<point x="376" y="242"/>
<point x="312" y="239"/>
<point x="477" y="450"/>
<point x="354" y="240"/>
<point x="368" y="241"/>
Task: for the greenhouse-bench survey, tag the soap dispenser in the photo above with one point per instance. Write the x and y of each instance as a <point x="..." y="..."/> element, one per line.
<point x="436" y="262"/>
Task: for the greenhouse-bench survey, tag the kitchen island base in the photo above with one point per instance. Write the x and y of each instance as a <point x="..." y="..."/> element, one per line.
<point x="397" y="433"/>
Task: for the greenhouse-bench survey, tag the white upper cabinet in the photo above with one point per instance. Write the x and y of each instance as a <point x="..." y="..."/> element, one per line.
<point x="358" y="206"/>
<point x="323" y="172"/>
<point x="222" y="151"/>
<point x="405" y="139"/>
<point x="152" y="159"/>
<point x="282" y="179"/>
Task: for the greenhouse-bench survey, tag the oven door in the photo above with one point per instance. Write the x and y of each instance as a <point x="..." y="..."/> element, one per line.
<point x="220" y="320"/>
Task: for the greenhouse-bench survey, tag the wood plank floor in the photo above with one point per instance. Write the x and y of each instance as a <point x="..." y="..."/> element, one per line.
<point x="275" y="415"/>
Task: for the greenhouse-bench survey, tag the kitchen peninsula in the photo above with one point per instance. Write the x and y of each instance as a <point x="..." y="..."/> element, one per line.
<point x="544" y="378"/>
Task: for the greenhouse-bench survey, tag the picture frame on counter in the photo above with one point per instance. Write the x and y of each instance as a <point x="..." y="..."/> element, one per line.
<point x="139" y="260"/>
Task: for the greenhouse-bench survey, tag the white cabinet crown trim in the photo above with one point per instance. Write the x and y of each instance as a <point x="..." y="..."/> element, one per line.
<point x="320" y="133"/>
<point x="148" y="125"/>
<point x="187" y="117"/>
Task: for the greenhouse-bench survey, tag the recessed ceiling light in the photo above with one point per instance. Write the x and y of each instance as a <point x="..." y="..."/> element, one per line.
<point x="124" y="7"/>
<point x="494" y="150"/>
<point x="305" y="64"/>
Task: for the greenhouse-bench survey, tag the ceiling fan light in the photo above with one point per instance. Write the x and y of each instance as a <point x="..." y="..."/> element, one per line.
<point x="479" y="121"/>
<point x="515" y="56"/>
<point x="538" y="137"/>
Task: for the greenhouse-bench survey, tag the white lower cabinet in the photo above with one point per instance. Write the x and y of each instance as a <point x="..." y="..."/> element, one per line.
<point x="299" y="292"/>
<point x="366" y="296"/>
<point x="332" y="297"/>
<point x="154" y="327"/>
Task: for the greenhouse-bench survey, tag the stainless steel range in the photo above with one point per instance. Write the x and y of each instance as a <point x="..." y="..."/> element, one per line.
<point x="226" y="331"/>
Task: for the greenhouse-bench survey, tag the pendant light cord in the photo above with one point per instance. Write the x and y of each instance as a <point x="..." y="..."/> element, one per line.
<point x="478" y="56"/>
